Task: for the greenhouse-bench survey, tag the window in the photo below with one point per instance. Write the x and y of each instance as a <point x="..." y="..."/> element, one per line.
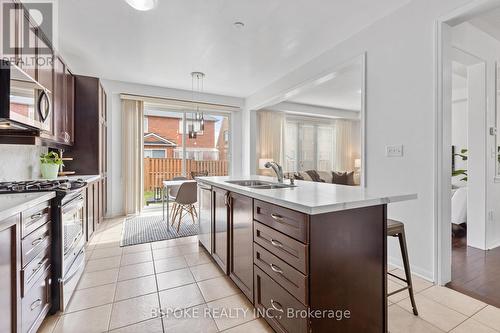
<point x="154" y="153"/>
<point x="226" y="136"/>
<point x="146" y="123"/>
<point x="309" y="146"/>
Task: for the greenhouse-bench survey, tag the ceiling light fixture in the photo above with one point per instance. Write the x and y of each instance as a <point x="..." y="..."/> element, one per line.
<point x="239" y="25"/>
<point x="142" y="5"/>
<point x="197" y="123"/>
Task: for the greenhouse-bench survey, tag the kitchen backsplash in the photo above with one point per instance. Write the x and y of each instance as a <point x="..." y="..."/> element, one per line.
<point x="18" y="162"/>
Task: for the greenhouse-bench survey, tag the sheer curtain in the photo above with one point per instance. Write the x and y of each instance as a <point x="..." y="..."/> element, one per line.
<point x="132" y="154"/>
<point x="343" y="146"/>
<point x="270" y="136"/>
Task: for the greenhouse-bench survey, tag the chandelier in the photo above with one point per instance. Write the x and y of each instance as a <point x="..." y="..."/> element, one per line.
<point x="197" y="122"/>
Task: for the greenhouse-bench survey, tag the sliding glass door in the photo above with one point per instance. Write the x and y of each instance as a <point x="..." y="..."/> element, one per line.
<point x="170" y="153"/>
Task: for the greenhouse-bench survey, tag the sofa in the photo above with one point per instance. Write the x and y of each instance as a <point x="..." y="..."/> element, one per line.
<point x="333" y="177"/>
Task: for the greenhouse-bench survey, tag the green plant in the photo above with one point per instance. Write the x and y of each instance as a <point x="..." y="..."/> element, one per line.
<point x="461" y="172"/>
<point x="51" y="158"/>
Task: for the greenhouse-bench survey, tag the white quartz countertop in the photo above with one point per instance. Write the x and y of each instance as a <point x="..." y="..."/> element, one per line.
<point x="310" y="197"/>
<point x="14" y="203"/>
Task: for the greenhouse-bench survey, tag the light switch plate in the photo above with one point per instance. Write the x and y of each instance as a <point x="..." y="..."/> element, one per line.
<point x="394" y="151"/>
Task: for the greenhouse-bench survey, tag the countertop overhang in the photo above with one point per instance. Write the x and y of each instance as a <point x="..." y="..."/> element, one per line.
<point x="310" y="197"/>
<point x="15" y="203"/>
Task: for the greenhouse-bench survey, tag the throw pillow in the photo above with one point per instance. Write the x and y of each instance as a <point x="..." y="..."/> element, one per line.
<point x="314" y="176"/>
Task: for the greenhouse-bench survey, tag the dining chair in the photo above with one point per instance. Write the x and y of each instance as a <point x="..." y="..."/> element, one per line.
<point x="185" y="199"/>
<point x="172" y="193"/>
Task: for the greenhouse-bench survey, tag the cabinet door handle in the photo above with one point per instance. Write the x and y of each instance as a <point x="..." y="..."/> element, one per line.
<point x="277" y="217"/>
<point x="276" y="306"/>
<point x="35" y="304"/>
<point x="276" y="243"/>
<point x="276" y="269"/>
<point x="38" y="241"/>
<point x="36" y="216"/>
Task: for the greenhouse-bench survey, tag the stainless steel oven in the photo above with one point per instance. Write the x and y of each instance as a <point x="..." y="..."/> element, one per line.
<point x="24" y="103"/>
<point x="71" y="247"/>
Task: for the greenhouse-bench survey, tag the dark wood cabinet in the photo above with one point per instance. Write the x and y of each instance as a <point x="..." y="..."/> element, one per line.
<point x="35" y="55"/>
<point x="10" y="266"/>
<point x="221" y="228"/>
<point x="241" y="242"/>
<point x="63" y="106"/>
<point x="25" y="267"/>
<point x="89" y="150"/>
<point x="287" y="261"/>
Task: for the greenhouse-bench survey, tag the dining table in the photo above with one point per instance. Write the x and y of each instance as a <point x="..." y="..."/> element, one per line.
<point x="166" y="185"/>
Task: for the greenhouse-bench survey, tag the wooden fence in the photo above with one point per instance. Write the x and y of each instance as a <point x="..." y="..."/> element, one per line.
<point x="157" y="170"/>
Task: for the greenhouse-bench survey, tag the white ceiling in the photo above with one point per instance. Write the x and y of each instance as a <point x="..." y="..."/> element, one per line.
<point x="161" y="47"/>
<point x="489" y="22"/>
<point x="341" y="92"/>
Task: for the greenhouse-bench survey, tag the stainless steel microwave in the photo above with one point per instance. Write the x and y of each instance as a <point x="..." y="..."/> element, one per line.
<point x="24" y="103"/>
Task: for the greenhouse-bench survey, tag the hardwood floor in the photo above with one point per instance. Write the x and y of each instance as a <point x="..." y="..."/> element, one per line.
<point x="475" y="272"/>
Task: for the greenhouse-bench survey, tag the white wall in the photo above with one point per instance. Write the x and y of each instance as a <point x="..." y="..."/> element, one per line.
<point x="470" y="39"/>
<point x="114" y="89"/>
<point x="400" y="110"/>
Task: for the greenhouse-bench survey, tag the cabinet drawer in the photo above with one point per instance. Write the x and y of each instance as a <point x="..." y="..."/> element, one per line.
<point x="36" y="303"/>
<point x="289" y="222"/>
<point x="278" y="305"/>
<point x="35" y="242"/>
<point x="34" y="269"/>
<point x="287" y="249"/>
<point x="287" y="276"/>
<point x="35" y="217"/>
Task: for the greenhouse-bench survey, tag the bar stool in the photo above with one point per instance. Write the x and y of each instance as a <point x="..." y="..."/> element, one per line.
<point x="397" y="229"/>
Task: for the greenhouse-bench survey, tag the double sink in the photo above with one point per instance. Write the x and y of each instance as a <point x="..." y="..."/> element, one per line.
<point x="259" y="184"/>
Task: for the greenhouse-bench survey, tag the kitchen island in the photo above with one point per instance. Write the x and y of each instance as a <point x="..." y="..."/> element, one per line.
<point x="310" y="257"/>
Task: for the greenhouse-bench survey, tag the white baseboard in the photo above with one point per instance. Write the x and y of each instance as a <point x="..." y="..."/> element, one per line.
<point x="415" y="270"/>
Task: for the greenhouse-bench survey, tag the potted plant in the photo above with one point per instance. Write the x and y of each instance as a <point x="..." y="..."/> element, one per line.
<point x="50" y="164"/>
<point x="461" y="172"/>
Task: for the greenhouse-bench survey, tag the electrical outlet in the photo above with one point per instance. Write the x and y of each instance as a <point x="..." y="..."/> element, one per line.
<point x="394" y="151"/>
<point x="490" y="216"/>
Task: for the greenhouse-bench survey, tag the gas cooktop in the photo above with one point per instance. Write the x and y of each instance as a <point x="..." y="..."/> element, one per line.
<point x="41" y="185"/>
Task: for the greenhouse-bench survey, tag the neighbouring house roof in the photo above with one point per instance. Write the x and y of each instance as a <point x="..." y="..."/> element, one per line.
<point x="153" y="139"/>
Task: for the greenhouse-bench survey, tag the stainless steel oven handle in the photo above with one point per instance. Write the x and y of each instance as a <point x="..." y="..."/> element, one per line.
<point x="73" y="272"/>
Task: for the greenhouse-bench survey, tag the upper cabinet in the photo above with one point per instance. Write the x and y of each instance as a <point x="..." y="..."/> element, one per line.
<point x="48" y="116"/>
<point x="64" y="91"/>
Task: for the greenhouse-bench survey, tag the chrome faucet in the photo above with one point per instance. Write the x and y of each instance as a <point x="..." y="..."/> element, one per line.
<point x="277" y="169"/>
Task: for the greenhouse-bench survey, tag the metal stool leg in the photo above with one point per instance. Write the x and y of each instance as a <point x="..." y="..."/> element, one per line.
<point x="406" y="263"/>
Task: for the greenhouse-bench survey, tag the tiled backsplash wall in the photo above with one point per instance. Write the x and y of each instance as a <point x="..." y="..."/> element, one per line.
<point x="18" y="162"/>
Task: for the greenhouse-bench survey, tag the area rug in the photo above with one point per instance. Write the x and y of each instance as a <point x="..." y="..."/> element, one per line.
<point x="147" y="229"/>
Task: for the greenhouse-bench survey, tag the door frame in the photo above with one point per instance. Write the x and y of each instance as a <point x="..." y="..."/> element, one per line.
<point x="443" y="89"/>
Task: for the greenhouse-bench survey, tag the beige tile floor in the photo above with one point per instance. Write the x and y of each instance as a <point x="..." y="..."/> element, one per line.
<point x="122" y="289"/>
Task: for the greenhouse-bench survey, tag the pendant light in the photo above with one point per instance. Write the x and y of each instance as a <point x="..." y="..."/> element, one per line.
<point x="198" y="117"/>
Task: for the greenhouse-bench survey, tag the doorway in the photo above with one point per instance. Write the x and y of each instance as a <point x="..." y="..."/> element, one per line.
<point x="170" y="153"/>
<point x="468" y="256"/>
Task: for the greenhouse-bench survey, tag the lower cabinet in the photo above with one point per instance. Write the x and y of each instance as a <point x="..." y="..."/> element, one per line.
<point x="221" y="228"/>
<point x="241" y="243"/>
<point x="10" y="263"/>
<point x="282" y="311"/>
<point x="25" y="269"/>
